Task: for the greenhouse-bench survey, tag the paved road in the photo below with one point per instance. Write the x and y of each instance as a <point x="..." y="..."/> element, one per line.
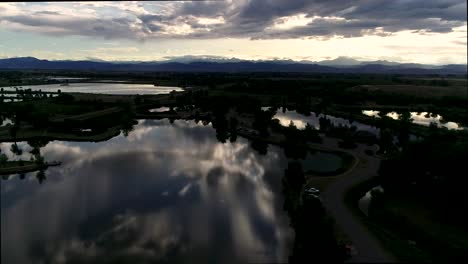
<point x="368" y="247"/>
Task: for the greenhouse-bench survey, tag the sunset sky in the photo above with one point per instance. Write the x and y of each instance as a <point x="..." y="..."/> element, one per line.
<point x="421" y="31"/>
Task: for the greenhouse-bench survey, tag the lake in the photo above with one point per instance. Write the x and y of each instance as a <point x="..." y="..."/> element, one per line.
<point x="101" y="88"/>
<point x="165" y="193"/>
<point x="300" y="120"/>
<point x="421" y="118"/>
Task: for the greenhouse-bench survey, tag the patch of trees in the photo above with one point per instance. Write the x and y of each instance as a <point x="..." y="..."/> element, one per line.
<point x="382" y="98"/>
<point x="225" y="129"/>
<point x="262" y="121"/>
<point x="314" y="236"/>
<point x="433" y="170"/>
<point x="294" y="144"/>
<point x="3" y="159"/>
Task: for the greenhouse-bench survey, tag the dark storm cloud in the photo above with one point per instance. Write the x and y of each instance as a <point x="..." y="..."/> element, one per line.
<point x="360" y="17"/>
<point x="256" y="19"/>
<point x="204" y="9"/>
<point x="60" y="25"/>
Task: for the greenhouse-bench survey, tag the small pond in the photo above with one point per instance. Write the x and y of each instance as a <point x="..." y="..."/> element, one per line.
<point x="160" y="109"/>
<point x="321" y="162"/>
<point x="365" y="201"/>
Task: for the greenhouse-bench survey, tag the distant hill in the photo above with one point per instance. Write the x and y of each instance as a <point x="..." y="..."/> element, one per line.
<point x="232" y="65"/>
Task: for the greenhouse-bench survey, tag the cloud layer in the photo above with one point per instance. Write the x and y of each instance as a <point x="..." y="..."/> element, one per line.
<point x="259" y="19"/>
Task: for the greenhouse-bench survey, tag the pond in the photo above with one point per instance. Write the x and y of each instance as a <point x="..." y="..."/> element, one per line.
<point x="6" y="121"/>
<point x="365" y="201"/>
<point x="101" y="88"/>
<point x="8" y="100"/>
<point x="321" y="162"/>
<point x="420" y="118"/>
<point x="300" y="120"/>
<point x="165" y="193"/>
<point x="159" y="109"/>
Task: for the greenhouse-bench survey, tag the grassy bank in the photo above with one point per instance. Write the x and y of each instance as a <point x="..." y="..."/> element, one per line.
<point x="14" y="167"/>
<point x="28" y="134"/>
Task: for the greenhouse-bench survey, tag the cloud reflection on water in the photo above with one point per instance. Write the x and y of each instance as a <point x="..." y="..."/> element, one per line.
<point x="420" y="118"/>
<point x="105" y="201"/>
<point x="300" y="121"/>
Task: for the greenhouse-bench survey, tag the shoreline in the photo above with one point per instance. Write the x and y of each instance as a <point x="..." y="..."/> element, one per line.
<point x="29" y="166"/>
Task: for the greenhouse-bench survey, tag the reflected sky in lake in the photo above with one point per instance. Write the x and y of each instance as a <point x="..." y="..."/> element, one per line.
<point x="6" y="121"/>
<point x="422" y="118"/>
<point x="101" y="88"/>
<point x="160" y="109"/>
<point x="300" y="121"/>
<point x="166" y="193"/>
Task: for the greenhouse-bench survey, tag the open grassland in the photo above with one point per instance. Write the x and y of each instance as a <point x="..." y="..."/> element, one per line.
<point x="414" y="90"/>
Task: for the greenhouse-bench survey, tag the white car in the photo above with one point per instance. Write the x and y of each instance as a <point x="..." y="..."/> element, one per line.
<point x="312" y="190"/>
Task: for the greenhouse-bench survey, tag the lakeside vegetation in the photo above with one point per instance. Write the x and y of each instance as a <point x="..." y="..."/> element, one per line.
<point x="313" y="227"/>
<point x="414" y="217"/>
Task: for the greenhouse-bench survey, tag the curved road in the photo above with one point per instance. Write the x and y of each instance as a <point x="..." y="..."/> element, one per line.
<point x="367" y="246"/>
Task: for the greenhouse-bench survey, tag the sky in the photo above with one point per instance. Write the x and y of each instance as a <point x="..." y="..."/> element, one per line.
<point x="409" y="31"/>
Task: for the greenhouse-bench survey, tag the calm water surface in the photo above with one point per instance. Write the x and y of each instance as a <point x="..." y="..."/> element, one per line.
<point x="6" y="121"/>
<point x="102" y="88"/>
<point x="160" y="109"/>
<point x="422" y="118"/>
<point x="321" y="162"/>
<point x="300" y="120"/>
<point x="166" y="193"/>
<point x="365" y="201"/>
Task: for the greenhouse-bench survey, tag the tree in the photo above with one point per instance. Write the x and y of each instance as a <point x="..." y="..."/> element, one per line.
<point x="311" y="134"/>
<point x="260" y="146"/>
<point x="16" y="149"/>
<point x="3" y="159"/>
<point x="41" y="177"/>
<point x="37" y="144"/>
<point x="127" y="125"/>
<point x="294" y="144"/>
<point x="294" y="175"/>
<point x="325" y="123"/>
<point x="39" y="159"/>
<point x="404" y="129"/>
<point x="233" y="123"/>
<point x="385" y="140"/>
<point x="262" y="121"/>
<point x="314" y="231"/>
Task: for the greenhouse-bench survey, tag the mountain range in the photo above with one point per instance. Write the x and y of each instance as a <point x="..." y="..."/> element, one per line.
<point x="219" y="64"/>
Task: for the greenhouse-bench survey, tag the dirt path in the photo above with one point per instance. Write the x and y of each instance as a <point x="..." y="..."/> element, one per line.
<point x="368" y="247"/>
